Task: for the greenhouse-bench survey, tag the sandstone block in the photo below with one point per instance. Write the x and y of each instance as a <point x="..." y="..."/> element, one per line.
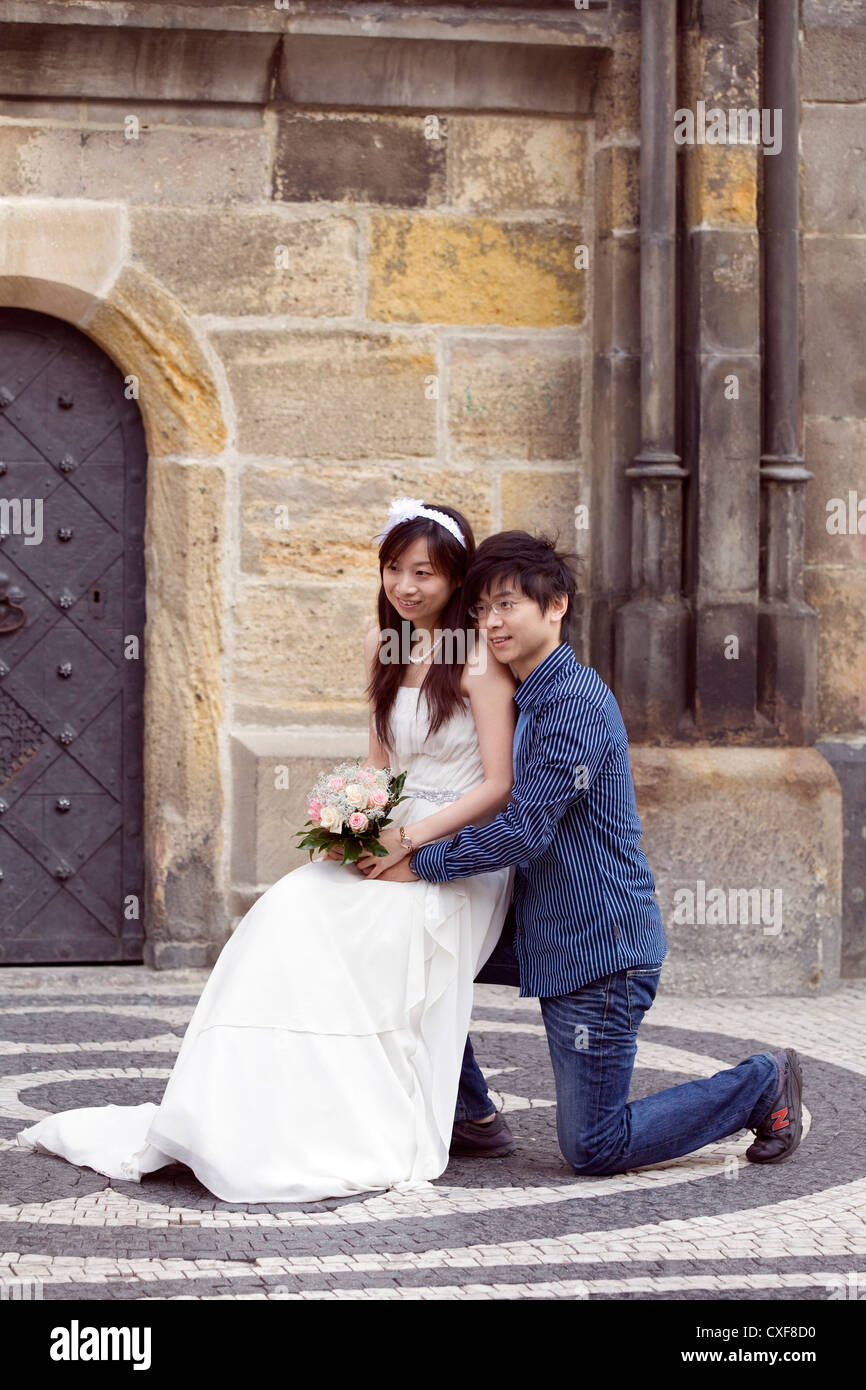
<point x="330" y="394"/>
<point x="160" y="166"/>
<point x="834" y="454"/>
<point x="301" y="648"/>
<point x="533" y="501"/>
<point x="184" y="700"/>
<point x="515" y="399"/>
<point x="144" y="329"/>
<point x="234" y="261"/>
<point x="839" y="598"/>
<point x="318" y="522"/>
<point x="515" y="164"/>
<point x="833" y="138"/>
<point x="834" y="271"/>
<point x="386" y="160"/>
<point x="721" y="187"/>
<point x="617" y="186"/>
<point x="617" y="104"/>
<point x="722" y="270"/>
<point x="274" y="773"/>
<point x="58" y="258"/>
<point x="616" y="304"/>
<point x="833" y="60"/>
<point x="432" y="269"/>
<point x="847" y="757"/>
<point x="739" y="822"/>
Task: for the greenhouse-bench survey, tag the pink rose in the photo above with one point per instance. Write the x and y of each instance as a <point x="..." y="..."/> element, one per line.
<point x="314" y="809"/>
<point x="336" y="783"/>
<point x="358" y="821"/>
<point x="378" y="798"/>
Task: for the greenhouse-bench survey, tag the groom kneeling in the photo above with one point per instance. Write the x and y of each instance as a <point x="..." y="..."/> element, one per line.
<point x="588" y="939"/>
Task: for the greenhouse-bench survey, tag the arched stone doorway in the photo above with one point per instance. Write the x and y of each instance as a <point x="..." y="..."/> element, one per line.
<point x="72" y="609"/>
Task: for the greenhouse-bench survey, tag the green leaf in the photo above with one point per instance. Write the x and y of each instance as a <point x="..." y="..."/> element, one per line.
<point x="315" y="839"/>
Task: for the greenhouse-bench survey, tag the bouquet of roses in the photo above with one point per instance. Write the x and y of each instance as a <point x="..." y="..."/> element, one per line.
<point x="348" y="807"/>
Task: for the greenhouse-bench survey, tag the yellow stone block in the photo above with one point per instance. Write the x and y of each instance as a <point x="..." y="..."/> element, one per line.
<point x="435" y="269"/>
<point x="145" y="330"/>
<point x="721" y="185"/>
<point x="184" y="695"/>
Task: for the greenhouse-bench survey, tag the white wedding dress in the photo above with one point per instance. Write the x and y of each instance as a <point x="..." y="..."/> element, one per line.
<point x="324" y="1054"/>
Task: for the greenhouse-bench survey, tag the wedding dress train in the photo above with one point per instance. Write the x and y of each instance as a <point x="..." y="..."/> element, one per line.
<point x="324" y="1054"/>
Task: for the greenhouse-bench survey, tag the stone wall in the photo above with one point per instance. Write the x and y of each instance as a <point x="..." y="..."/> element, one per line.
<point x="324" y="310"/>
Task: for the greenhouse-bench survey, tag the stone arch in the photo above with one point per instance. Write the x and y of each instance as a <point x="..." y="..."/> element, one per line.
<point x="72" y="262"/>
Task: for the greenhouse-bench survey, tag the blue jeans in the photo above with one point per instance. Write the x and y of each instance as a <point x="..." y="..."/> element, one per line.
<point x="592" y="1036"/>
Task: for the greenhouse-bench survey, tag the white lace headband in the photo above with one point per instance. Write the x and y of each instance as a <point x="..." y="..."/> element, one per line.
<point x="407" y="508"/>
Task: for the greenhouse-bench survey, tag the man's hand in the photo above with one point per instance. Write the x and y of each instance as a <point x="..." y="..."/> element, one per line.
<point x="397" y="873"/>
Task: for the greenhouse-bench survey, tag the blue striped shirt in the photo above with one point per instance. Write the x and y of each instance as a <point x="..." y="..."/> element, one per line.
<point x="584" y="894"/>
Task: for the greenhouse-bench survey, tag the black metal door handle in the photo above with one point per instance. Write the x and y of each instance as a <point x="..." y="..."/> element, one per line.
<point x="8" y="623"/>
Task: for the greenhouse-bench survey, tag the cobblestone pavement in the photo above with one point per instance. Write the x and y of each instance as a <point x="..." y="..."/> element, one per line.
<point x="706" y="1226"/>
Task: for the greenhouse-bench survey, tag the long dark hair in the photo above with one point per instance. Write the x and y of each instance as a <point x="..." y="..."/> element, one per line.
<point x="441" y="685"/>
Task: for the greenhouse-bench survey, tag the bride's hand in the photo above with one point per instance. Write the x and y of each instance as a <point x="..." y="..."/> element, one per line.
<point x="374" y="865"/>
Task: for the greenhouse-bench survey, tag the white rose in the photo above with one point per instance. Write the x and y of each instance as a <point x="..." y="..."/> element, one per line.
<point x="329" y="818"/>
<point x="355" y="795"/>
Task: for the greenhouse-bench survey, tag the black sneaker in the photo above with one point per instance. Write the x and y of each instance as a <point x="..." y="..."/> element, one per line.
<point x="780" y="1132"/>
<point x="476" y="1139"/>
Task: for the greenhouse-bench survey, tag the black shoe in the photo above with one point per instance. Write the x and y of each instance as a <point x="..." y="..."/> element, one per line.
<point x="475" y="1139"/>
<point x="780" y="1132"/>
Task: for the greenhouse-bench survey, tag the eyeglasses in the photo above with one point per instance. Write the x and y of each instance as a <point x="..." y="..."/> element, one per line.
<point x="479" y="611"/>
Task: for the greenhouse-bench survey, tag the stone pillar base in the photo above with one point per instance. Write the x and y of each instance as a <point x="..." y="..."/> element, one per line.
<point x="846" y="754"/>
<point x="746" y="848"/>
<point x="272" y="776"/>
<point x="650" y="658"/>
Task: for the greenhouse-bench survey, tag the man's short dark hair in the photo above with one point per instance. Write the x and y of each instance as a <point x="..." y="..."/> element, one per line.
<point x="542" y="571"/>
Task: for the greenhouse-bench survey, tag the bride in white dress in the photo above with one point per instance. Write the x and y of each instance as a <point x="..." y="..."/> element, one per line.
<point x="324" y="1054"/>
